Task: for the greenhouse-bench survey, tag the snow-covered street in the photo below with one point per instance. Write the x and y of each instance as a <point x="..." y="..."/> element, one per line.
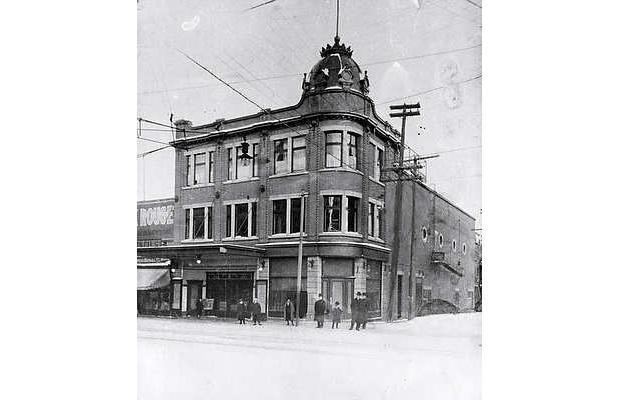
<point x="434" y="357"/>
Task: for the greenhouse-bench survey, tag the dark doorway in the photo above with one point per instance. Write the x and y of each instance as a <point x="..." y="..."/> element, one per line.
<point x="338" y="290"/>
<point x="399" y="301"/>
<point x="194" y="292"/>
<point x="225" y="289"/>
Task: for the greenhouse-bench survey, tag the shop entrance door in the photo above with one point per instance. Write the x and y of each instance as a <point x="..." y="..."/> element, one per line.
<point x="226" y="288"/>
<point x="194" y="292"/>
<point x="339" y="290"/>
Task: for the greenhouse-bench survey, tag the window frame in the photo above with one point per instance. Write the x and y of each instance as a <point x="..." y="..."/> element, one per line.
<point x="344" y="212"/>
<point x="327" y="144"/>
<point x="231" y="223"/>
<point x="298" y="148"/>
<point x="377" y="234"/>
<point x="288" y="215"/>
<point x="190" y="167"/>
<point x="189" y="227"/>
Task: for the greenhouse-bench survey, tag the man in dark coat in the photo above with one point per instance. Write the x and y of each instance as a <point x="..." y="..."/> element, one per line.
<point x="355" y="309"/>
<point x="255" y="308"/>
<point x="289" y="311"/>
<point x="364" y="310"/>
<point x="319" y="311"/>
<point x="199" y="308"/>
<point x="241" y="311"/>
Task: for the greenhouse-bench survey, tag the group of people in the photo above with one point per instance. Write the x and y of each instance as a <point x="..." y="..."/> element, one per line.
<point x="254" y="309"/>
<point x="359" y="311"/>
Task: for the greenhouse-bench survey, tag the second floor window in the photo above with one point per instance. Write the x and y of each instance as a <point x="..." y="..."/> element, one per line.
<point x="352" y="213"/>
<point x="241" y="220"/>
<point x="333" y="149"/>
<point x="375" y="228"/>
<point x="333" y="210"/>
<point x="199" y="223"/>
<point x="286" y="216"/>
<point x="279" y="216"/>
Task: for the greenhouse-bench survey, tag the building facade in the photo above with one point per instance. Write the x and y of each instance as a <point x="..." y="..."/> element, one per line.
<point x="241" y="185"/>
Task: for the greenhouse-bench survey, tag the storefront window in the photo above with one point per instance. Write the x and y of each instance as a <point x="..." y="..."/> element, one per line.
<point x="283" y="288"/>
<point x="373" y="288"/>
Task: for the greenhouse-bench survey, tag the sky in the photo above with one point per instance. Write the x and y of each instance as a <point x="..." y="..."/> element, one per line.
<point x="425" y="50"/>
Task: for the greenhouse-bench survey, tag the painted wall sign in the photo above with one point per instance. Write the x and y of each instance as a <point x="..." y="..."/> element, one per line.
<point x="155" y="219"/>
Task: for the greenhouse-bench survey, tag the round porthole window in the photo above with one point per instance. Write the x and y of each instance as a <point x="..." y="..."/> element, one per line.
<point x="464" y="248"/>
<point x="424" y="234"/>
<point x="454" y="245"/>
<point x="440" y="240"/>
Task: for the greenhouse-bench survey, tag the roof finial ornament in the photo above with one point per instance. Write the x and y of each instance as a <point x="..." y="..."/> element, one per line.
<point x="337" y="38"/>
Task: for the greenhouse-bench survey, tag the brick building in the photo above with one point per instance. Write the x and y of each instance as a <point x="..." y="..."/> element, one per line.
<point x="239" y="185"/>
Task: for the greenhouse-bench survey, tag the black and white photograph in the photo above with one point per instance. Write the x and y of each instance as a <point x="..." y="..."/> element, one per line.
<point x="309" y="185"/>
<point x="303" y="199"/>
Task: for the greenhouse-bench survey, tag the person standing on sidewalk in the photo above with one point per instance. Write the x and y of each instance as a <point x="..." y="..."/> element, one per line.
<point x="336" y="315"/>
<point x="355" y="309"/>
<point x="319" y="311"/>
<point x="241" y="312"/>
<point x="364" y="310"/>
<point x="289" y="311"/>
<point x="199" y="308"/>
<point x="256" y="311"/>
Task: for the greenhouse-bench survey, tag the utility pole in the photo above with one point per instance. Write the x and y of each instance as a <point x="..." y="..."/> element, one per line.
<point x="299" y="258"/>
<point x="405" y="110"/>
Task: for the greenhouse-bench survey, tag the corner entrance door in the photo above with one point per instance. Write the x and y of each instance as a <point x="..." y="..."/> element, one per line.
<point x="339" y="290"/>
<point x="194" y="292"/>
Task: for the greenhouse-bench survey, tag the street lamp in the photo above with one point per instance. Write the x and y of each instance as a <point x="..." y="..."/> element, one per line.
<point x="245" y="157"/>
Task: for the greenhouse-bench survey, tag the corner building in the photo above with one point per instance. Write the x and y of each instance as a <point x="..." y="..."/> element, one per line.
<point x="238" y="189"/>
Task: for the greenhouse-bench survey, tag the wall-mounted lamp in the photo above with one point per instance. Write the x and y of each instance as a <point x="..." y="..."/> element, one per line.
<point x="173" y="270"/>
<point x="198" y="259"/>
<point x="245" y="157"/>
<point x="310" y="264"/>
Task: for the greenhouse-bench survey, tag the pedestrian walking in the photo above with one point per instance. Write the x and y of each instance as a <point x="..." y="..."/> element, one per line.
<point x="256" y="311"/>
<point x="319" y="311"/>
<point x="289" y="311"/>
<point x="355" y="309"/>
<point x="199" y="308"/>
<point x="336" y="315"/>
<point x="364" y="310"/>
<point x="241" y="312"/>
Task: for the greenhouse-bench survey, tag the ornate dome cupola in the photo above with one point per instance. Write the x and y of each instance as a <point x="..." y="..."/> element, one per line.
<point x="336" y="70"/>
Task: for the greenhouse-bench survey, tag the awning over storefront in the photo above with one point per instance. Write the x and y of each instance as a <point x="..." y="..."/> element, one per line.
<point x="152" y="278"/>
